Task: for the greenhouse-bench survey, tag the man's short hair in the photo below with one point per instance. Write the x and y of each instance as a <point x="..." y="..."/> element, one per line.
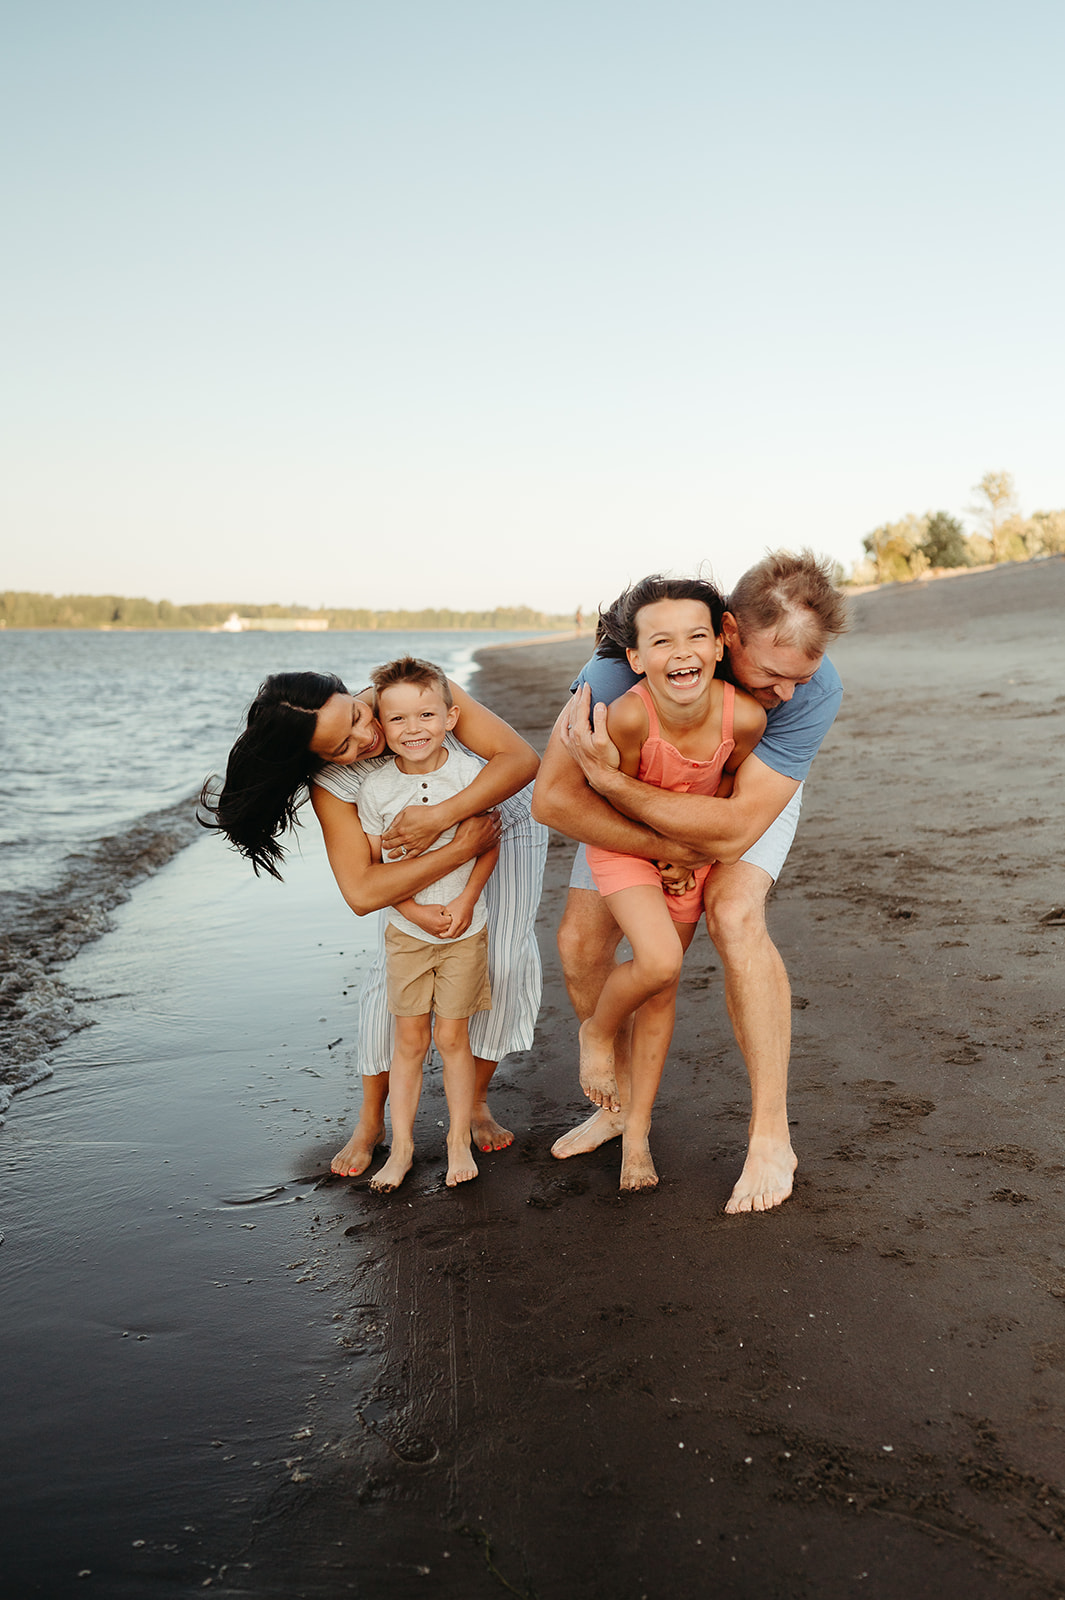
<point x="408" y="669"/>
<point x="793" y="597"/>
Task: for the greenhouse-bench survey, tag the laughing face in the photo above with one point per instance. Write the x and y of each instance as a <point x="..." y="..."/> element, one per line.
<point x="346" y="731"/>
<point x="415" y="720"/>
<point x="676" y="649"/>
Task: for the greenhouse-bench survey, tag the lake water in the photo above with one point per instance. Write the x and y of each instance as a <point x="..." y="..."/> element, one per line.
<point x="106" y="739"/>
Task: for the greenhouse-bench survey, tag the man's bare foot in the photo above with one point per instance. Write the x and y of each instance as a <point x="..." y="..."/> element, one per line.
<point x="597" y="1070"/>
<point x="637" y="1168"/>
<point x="486" y="1133"/>
<point x="766" y="1179"/>
<point x="358" y="1152"/>
<point x="594" y="1131"/>
<point x="461" y="1166"/>
<point x="395" y="1169"/>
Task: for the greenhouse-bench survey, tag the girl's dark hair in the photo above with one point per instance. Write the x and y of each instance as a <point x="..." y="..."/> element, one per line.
<point x="270" y="767"/>
<point x="616" y="630"/>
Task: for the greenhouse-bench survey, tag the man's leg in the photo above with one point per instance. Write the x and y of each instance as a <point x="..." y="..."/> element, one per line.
<point x="588" y="938"/>
<point x="758" y="996"/>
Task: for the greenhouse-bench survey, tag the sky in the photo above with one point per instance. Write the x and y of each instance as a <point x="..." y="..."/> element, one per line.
<point x="474" y="303"/>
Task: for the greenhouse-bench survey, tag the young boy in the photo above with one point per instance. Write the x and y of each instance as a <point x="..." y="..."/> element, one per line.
<point x="436" y="945"/>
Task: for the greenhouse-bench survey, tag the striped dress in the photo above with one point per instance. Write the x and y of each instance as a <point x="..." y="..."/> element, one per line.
<point x="512" y="896"/>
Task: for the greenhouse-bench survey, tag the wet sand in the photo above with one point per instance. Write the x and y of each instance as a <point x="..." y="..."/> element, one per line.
<point x="533" y="1385"/>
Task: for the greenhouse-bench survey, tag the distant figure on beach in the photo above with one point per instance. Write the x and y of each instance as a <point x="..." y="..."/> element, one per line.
<point x="680" y="728"/>
<point x="436" y="942"/>
<point x="306" y="732"/>
<point x="778" y="622"/>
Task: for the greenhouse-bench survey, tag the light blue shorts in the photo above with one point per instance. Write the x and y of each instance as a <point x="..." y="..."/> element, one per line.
<point x="769" y="852"/>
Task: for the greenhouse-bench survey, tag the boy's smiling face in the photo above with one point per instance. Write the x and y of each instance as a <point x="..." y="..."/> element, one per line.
<point x="415" y="720"/>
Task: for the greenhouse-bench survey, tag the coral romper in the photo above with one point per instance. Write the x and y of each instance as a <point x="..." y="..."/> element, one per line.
<point x="663" y="765"/>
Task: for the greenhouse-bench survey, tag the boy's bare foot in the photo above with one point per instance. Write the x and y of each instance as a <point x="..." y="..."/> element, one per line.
<point x="461" y="1166"/>
<point x="637" y="1168"/>
<point x="597" y="1070"/>
<point x="594" y="1131"/>
<point x="395" y="1169"/>
<point x="486" y="1133"/>
<point x="358" y="1152"/>
<point x="766" y="1179"/>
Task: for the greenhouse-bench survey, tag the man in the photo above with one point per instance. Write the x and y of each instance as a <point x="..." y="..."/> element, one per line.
<point x="780" y="619"/>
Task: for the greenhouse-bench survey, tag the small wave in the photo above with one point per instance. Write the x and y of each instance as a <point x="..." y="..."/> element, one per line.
<point x="45" y="928"/>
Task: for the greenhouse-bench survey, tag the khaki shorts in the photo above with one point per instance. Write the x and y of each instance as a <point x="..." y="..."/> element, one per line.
<point x="450" y="979"/>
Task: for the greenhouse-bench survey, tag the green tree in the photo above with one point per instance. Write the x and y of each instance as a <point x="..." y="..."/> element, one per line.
<point x="1045" y="533"/>
<point x="944" y="542"/>
<point x="895" y="549"/>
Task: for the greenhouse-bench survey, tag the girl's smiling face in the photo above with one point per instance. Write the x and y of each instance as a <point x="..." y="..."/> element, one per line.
<point x="346" y="731"/>
<point x="676" y="648"/>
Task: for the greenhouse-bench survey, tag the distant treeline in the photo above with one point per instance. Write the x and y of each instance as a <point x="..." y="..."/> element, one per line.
<point x="115" y="611"/>
<point x="898" y="552"/>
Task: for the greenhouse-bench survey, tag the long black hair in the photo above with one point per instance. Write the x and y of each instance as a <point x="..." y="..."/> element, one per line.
<point x="270" y="767"/>
<point x="616" y="629"/>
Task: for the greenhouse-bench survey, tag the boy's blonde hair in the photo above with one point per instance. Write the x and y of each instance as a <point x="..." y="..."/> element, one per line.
<point x="408" y="669"/>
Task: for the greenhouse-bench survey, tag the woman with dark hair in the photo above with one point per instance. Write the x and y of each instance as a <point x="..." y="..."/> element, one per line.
<point x="306" y="732"/>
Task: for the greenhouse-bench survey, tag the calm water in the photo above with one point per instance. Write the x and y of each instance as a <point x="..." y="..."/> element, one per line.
<point x="105" y="740"/>
<point x="99" y="729"/>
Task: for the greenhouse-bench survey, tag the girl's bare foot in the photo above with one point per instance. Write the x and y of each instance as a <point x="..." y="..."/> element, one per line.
<point x="395" y="1169"/>
<point x="358" y="1152"/>
<point x="589" y="1135"/>
<point x="637" y="1168"/>
<point x="597" y="1069"/>
<point x="461" y="1166"/>
<point x="486" y="1133"/>
<point x="766" y="1179"/>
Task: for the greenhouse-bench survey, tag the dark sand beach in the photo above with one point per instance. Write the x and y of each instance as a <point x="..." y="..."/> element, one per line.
<point x="229" y="1373"/>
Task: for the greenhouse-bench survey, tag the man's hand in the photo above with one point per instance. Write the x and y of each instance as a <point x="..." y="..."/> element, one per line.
<point x="412" y="831"/>
<point x="588" y="741"/>
<point x="675" y="880"/>
<point x="434" y="920"/>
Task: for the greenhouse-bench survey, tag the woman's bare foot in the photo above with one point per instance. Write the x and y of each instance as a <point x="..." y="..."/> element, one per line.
<point x="485" y="1132"/>
<point x="395" y="1169"/>
<point x="594" y="1131"/>
<point x="766" y="1179"/>
<point x="461" y="1166"/>
<point x="358" y="1152"/>
<point x="597" y="1069"/>
<point x="637" y="1168"/>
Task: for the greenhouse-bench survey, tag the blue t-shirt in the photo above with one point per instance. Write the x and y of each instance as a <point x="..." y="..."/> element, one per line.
<point x="793" y="730"/>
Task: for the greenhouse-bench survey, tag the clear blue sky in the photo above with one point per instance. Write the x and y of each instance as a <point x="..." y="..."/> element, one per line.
<point x="471" y="302"/>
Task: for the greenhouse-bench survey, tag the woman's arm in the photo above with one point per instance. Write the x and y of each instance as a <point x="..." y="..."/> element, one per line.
<point x="511" y="764"/>
<point x="368" y="885"/>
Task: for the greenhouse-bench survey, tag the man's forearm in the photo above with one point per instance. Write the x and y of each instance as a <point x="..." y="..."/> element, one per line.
<point x="713" y="828"/>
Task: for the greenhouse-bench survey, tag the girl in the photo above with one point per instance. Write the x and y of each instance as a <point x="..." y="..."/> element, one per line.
<point x="682" y="728"/>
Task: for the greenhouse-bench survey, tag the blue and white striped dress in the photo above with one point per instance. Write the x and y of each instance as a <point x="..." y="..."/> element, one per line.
<point x="512" y="895"/>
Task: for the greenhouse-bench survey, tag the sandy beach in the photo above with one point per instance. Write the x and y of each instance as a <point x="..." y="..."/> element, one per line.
<point x="229" y="1373"/>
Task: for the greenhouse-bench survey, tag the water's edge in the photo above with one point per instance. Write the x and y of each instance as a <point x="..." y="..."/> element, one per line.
<point x="45" y="928"/>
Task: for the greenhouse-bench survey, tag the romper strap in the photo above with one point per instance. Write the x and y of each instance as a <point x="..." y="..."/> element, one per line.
<point x="643" y="693"/>
<point x="728" y="706"/>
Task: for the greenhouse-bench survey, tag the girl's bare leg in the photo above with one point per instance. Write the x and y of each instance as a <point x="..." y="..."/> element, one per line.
<point x="657" y="953"/>
<point x="452" y="1036"/>
<point x="357" y="1154"/>
<point x="405" y="1076"/>
<point x="652" y="1032"/>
